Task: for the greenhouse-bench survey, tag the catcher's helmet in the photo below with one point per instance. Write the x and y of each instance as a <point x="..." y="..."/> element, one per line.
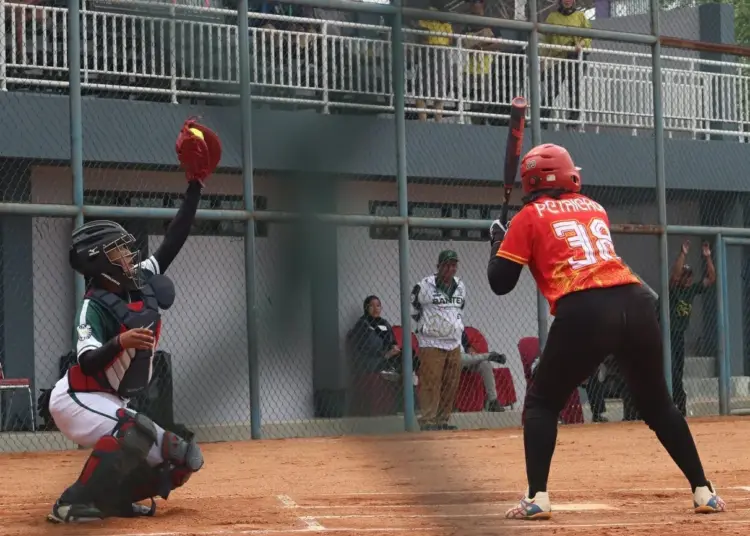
<point x="101" y="249"/>
<point x="549" y="167"/>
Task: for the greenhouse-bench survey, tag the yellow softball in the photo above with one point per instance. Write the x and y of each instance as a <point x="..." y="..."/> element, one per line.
<point x="197" y="133"/>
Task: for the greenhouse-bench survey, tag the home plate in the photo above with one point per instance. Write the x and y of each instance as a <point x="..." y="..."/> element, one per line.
<point x="580" y="507"/>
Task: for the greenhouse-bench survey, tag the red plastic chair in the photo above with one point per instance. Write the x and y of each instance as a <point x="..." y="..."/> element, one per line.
<point x="528" y="348"/>
<point x="13" y="385"/>
<point x="471" y="392"/>
<point x="398" y="332"/>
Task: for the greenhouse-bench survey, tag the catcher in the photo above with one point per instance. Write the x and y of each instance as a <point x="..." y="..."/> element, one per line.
<point x="117" y="331"/>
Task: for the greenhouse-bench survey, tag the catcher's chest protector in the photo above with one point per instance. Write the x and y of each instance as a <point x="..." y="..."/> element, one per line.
<point x="131" y="371"/>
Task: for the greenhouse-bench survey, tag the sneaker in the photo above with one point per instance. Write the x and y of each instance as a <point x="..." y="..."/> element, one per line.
<point x="537" y="508"/>
<point x="391" y="374"/>
<point x="600" y="418"/>
<point x="447" y="427"/>
<point x="497" y="358"/>
<point x="706" y="501"/>
<point x="430" y="427"/>
<point x="74" y="513"/>
<point x="493" y="406"/>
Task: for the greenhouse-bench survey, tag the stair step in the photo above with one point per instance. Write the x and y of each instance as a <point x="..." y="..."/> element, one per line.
<point x="700" y="367"/>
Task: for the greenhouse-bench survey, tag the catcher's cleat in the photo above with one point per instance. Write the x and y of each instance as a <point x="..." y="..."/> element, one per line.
<point x="537" y="508"/>
<point x="706" y="501"/>
<point x="74" y="513"/>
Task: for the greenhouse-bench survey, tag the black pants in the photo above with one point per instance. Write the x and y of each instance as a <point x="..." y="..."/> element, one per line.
<point x="678" y="370"/>
<point x="589" y="326"/>
<point x="568" y="75"/>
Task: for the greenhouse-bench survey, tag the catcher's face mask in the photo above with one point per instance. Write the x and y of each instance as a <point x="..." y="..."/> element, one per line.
<point x="120" y="254"/>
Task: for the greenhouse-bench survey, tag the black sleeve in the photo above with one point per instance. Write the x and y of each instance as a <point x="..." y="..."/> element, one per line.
<point x="464" y="341"/>
<point x="502" y="273"/>
<point x="416" y="306"/>
<point x="179" y="228"/>
<point x="97" y="360"/>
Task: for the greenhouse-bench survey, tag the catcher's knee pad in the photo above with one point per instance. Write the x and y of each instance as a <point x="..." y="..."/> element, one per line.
<point x="181" y="459"/>
<point x="182" y="453"/>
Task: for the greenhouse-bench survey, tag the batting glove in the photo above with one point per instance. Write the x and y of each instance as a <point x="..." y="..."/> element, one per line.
<point x="497" y="231"/>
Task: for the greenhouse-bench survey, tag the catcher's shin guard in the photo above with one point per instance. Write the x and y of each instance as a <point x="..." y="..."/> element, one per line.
<point x="181" y="459"/>
<point x="113" y="458"/>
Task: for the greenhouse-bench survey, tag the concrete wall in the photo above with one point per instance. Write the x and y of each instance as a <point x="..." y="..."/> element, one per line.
<point x="144" y="133"/>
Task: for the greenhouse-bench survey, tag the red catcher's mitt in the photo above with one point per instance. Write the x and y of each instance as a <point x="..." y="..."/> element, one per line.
<point x="198" y="149"/>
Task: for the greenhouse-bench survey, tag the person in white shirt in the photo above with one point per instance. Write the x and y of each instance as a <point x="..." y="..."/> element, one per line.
<point x="437" y="307"/>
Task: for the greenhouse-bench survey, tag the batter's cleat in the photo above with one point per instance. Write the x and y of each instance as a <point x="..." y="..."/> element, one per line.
<point x="535" y="509"/>
<point x="706" y="501"/>
<point x="74" y="513"/>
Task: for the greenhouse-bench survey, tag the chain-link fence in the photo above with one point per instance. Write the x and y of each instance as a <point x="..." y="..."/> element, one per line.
<point x="310" y="329"/>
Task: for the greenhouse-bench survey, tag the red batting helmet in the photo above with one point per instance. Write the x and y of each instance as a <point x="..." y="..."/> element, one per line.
<point x="549" y="167"/>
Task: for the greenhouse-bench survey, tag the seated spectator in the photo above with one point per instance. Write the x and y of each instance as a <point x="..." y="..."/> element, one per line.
<point x="477" y="358"/>
<point x="371" y="348"/>
<point x="558" y="73"/>
<point x="371" y="342"/>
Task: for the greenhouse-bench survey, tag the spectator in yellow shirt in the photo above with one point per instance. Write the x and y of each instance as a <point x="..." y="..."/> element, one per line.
<point x="432" y="65"/>
<point x="557" y="73"/>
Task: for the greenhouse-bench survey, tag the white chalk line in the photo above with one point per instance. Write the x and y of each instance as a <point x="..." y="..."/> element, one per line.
<point x="309" y="521"/>
<point x="287" y="501"/>
<point x="312" y="523"/>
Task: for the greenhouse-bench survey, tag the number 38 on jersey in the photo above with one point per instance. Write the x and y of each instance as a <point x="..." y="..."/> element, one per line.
<point x="590" y="244"/>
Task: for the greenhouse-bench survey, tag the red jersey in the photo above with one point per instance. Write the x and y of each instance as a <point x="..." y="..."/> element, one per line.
<point x="567" y="244"/>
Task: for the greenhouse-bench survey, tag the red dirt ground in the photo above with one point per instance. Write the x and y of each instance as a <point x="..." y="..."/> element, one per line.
<point x="431" y="484"/>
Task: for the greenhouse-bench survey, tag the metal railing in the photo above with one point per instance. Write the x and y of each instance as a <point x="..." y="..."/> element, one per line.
<point x="168" y="54"/>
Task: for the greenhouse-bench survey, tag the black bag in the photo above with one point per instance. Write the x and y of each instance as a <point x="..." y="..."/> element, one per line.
<point x="46" y="423"/>
<point x="157" y="401"/>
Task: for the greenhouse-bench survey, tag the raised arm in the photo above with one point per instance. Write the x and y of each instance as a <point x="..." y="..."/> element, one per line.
<point x="710" y="278"/>
<point x="676" y="272"/>
<point x="179" y="228"/>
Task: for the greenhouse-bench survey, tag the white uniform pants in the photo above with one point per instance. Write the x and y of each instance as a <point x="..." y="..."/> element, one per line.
<point x="85" y="417"/>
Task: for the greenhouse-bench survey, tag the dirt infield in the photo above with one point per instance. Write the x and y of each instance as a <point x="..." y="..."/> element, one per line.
<point x="607" y="479"/>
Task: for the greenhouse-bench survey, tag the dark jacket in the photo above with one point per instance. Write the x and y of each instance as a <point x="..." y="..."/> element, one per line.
<point x="367" y="343"/>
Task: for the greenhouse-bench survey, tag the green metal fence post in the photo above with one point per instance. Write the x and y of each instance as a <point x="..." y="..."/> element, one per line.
<point x="247" y="182"/>
<point x="76" y="122"/>
<point x="661" y="192"/>
<point x="722" y="306"/>
<point x="397" y="75"/>
<point x="536" y="139"/>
